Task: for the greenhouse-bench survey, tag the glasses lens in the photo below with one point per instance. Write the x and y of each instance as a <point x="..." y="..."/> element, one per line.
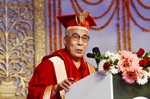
<point x="76" y="37"/>
<point x="85" y="38"/>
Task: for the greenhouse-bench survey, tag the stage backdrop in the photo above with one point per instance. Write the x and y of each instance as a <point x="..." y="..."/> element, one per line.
<point x="122" y="25"/>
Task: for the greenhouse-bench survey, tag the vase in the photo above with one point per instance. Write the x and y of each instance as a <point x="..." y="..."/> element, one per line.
<point x="123" y="90"/>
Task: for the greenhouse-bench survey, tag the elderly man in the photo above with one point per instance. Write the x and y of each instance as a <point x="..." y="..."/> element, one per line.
<point x="63" y="67"/>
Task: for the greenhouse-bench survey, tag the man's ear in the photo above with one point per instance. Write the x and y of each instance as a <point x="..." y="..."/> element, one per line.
<point x="65" y="41"/>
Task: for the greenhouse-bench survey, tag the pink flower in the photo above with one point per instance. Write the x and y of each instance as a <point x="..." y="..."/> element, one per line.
<point x="127" y="60"/>
<point x="129" y="76"/>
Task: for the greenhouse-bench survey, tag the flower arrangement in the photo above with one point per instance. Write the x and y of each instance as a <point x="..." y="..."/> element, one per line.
<point x="133" y="67"/>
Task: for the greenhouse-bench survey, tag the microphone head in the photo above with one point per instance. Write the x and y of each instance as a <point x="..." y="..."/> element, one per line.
<point x="89" y="55"/>
<point x="96" y="50"/>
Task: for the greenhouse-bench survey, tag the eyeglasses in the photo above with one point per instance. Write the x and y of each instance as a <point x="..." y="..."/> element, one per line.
<point x="76" y="37"/>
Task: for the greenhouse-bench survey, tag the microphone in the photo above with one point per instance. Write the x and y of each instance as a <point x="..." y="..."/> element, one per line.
<point x="92" y="55"/>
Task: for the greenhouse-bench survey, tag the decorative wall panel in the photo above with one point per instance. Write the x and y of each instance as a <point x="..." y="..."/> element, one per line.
<point x="22" y="44"/>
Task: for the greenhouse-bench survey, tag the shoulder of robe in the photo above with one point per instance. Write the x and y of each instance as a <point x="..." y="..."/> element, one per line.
<point x="91" y="67"/>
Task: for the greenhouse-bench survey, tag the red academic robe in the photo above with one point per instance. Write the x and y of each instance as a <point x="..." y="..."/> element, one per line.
<point x="44" y="74"/>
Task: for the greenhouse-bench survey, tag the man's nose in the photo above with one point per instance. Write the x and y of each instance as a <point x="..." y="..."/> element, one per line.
<point x="80" y="41"/>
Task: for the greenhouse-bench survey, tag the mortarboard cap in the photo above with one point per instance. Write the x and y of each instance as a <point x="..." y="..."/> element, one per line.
<point x="83" y="19"/>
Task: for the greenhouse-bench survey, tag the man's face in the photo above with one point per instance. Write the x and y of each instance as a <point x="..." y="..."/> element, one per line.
<point x="76" y="42"/>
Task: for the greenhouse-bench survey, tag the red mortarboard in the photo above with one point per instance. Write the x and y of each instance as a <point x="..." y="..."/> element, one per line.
<point x="83" y="19"/>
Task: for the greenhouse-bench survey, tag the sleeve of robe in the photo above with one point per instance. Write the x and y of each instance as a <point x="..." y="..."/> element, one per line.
<point x="43" y="79"/>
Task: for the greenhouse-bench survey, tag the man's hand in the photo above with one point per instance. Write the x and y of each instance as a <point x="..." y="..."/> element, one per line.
<point x="64" y="85"/>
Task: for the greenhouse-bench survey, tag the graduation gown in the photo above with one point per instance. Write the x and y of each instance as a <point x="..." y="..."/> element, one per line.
<point x="44" y="76"/>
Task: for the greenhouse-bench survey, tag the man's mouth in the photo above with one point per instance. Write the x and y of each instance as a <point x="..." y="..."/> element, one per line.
<point x="79" y="50"/>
